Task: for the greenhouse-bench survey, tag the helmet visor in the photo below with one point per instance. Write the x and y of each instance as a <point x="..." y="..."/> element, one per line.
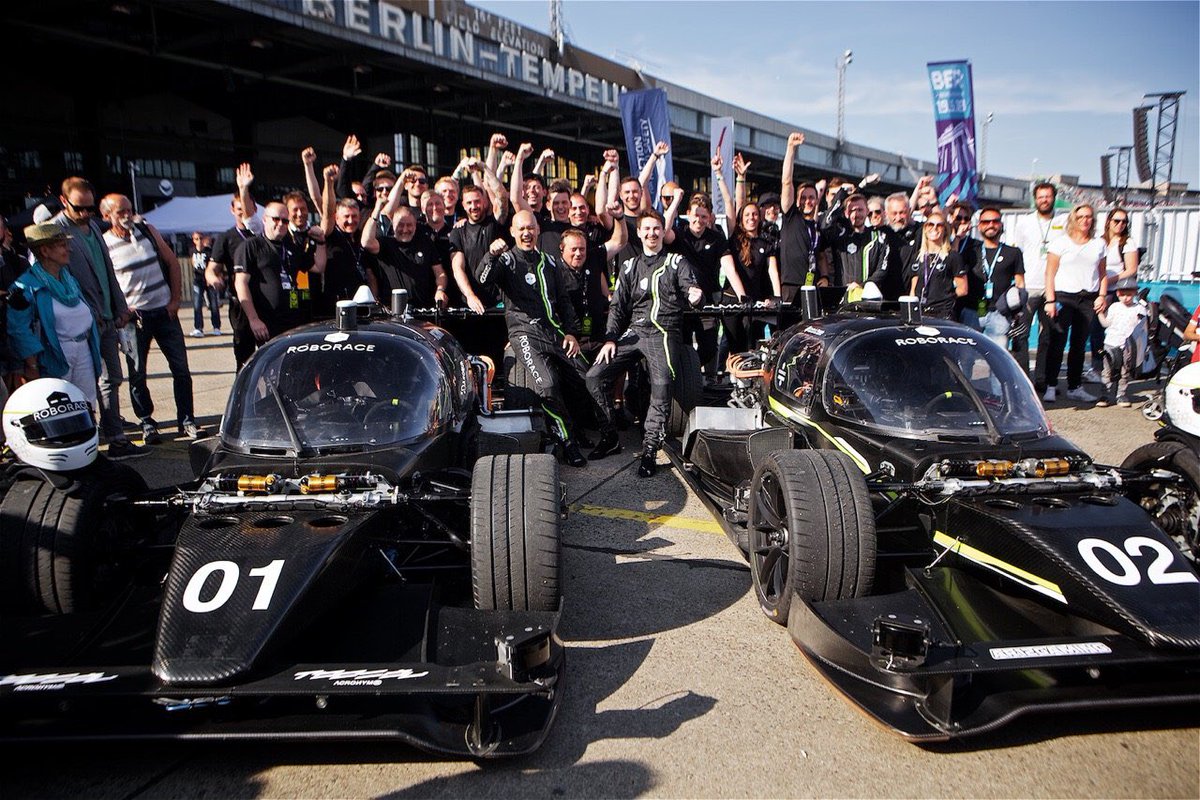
<point x="60" y="430"/>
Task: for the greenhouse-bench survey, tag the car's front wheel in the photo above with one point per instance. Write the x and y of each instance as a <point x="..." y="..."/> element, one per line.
<point x="1175" y="505"/>
<point x="516" y="549"/>
<point x="811" y="530"/>
<point x="63" y="550"/>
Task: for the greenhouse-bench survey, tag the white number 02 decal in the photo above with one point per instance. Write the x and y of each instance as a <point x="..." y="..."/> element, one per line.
<point x="229" y="573"/>
<point x="1127" y="572"/>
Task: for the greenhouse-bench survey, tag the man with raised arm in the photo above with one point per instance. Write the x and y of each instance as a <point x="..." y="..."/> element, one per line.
<point x="542" y="327"/>
<point x="799" y="235"/>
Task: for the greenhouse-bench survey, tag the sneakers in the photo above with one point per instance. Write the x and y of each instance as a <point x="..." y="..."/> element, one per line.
<point x="216" y="332"/>
<point x="1125" y="402"/>
<point x="1091" y="376"/>
<point x="196" y="333"/>
<point x="1080" y="395"/>
<point x="188" y="430"/>
<point x="1051" y="395"/>
<point x="1103" y="402"/>
<point x="610" y="444"/>
<point x="570" y="455"/>
<point x="123" y="448"/>
<point x="649" y="463"/>
<point x="150" y="434"/>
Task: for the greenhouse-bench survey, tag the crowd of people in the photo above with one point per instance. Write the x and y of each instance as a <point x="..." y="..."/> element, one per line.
<point x="592" y="279"/>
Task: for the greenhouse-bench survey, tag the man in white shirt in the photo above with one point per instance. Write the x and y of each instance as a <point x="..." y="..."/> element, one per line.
<point x="1033" y="234"/>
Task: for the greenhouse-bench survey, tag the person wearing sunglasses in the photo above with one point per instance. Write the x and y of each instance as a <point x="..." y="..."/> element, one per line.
<point x="875" y="214"/>
<point x="937" y="276"/>
<point x="93" y="269"/>
<point x="997" y="267"/>
<point x="1121" y="261"/>
<point x="1076" y="288"/>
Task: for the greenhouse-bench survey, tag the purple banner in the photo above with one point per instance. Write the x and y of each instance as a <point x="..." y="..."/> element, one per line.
<point x="954" y="117"/>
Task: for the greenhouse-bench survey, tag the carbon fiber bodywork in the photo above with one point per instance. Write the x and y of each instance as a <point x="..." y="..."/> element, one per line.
<point x="310" y="592"/>
<point x="995" y="595"/>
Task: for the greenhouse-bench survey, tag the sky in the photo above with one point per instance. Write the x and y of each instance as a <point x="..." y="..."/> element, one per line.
<point x="1061" y="78"/>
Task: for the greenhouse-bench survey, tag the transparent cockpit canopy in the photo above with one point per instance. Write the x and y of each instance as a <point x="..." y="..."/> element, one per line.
<point x="927" y="381"/>
<point x="340" y="391"/>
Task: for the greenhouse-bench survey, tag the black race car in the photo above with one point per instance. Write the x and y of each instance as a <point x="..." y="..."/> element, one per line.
<point x="938" y="553"/>
<point x="369" y="551"/>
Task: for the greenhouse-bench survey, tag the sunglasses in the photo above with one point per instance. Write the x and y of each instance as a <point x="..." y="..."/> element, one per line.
<point x="383" y="189"/>
<point x="875" y="213"/>
<point x="1122" y="220"/>
<point x="419" y="179"/>
<point x="277" y="219"/>
<point x="85" y="209"/>
<point x="935" y="224"/>
<point x="990" y="221"/>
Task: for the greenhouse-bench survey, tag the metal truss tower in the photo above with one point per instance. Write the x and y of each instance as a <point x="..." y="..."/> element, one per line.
<point x="1164" y="143"/>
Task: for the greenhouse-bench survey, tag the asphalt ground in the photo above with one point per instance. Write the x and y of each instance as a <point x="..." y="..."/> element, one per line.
<point x="677" y="686"/>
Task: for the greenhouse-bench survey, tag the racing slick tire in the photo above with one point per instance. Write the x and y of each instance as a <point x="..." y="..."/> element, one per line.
<point x="688" y="391"/>
<point x="811" y="530"/>
<point x="59" y="549"/>
<point x="1175" y="508"/>
<point x="516" y="548"/>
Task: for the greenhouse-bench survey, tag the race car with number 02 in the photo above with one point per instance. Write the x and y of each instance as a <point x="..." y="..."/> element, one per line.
<point x="368" y="551"/>
<point x="936" y="551"/>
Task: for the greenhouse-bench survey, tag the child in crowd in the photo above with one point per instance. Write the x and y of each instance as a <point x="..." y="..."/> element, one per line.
<point x="1125" y="338"/>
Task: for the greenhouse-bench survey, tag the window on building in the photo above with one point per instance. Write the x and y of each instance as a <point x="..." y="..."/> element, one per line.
<point x="431" y="156"/>
<point x="225" y="176"/>
<point x="73" y="160"/>
<point x="770" y="143"/>
<point x="30" y="159"/>
<point x="741" y="135"/>
<point x="683" y="118"/>
<point x="414" y="147"/>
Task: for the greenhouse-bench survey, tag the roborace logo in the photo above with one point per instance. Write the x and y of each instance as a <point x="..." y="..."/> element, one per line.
<point x="59" y="403"/>
<point x="328" y="346"/>
<point x="936" y="340"/>
<point x="358" y="677"/>
<point x="52" y="681"/>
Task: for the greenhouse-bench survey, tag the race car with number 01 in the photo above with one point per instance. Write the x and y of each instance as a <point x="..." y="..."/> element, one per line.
<point x="368" y="551"/>
<point x="936" y="551"/>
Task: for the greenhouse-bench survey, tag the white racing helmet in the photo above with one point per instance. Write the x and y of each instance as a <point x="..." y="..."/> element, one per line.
<point x="48" y="424"/>
<point x="1183" y="399"/>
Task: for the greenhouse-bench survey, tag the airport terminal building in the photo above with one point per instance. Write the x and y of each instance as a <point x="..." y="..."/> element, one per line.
<point x="172" y="95"/>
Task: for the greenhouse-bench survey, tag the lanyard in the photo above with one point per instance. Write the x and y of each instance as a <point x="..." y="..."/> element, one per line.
<point x="931" y="263"/>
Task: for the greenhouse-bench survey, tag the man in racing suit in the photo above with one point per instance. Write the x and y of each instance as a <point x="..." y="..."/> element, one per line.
<point x="542" y="327"/>
<point x="645" y="319"/>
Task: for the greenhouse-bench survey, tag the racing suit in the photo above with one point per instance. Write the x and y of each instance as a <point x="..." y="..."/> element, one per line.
<point x="539" y="315"/>
<point x="645" y="319"/>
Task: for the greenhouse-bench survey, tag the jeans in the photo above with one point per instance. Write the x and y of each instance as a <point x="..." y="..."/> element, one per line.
<point x="110" y="383"/>
<point x="157" y="325"/>
<point x="203" y="294"/>
<point x="1118" y="371"/>
<point x="995" y="326"/>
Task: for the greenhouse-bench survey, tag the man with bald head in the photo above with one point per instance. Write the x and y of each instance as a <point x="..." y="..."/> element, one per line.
<point x="265" y="269"/>
<point x="542" y="327"/>
<point x="148" y="274"/>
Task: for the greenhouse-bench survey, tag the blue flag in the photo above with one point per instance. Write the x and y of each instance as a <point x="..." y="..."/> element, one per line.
<point x="646" y="122"/>
<point x="954" y="116"/>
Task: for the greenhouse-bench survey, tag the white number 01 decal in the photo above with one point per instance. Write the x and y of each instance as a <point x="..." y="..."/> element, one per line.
<point x="1127" y="573"/>
<point x="228" y="582"/>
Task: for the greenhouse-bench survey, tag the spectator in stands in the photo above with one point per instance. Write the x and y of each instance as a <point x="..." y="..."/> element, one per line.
<point x="149" y="276"/>
<point x="1076" y="287"/>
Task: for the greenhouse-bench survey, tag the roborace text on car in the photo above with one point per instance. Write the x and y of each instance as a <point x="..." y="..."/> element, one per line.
<point x="937" y="552"/>
<point x="368" y="552"/>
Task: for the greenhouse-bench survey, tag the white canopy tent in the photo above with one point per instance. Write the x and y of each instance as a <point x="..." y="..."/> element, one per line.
<point x="188" y="214"/>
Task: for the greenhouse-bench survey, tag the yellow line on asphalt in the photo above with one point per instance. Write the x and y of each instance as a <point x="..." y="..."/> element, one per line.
<point x="665" y="520"/>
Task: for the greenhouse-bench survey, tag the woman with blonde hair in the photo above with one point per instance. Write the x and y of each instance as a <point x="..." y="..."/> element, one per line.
<point x="938" y="275"/>
<point x="1076" y="286"/>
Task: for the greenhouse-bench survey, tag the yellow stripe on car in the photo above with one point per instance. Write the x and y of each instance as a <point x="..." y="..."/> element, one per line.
<point x="988" y="560"/>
